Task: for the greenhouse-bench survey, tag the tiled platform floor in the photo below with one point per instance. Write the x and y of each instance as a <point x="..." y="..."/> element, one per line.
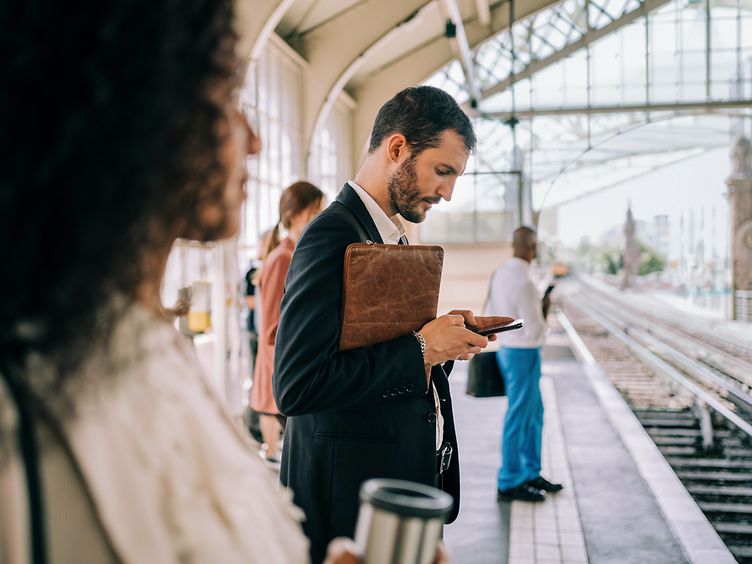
<point x="549" y="532"/>
<point x="519" y="533"/>
<point x="607" y="513"/>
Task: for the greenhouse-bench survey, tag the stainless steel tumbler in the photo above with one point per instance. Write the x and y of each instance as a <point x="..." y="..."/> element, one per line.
<point x="400" y="522"/>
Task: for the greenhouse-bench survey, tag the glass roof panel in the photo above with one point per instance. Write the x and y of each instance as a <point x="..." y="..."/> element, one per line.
<point x="451" y="79"/>
<point x="567" y="147"/>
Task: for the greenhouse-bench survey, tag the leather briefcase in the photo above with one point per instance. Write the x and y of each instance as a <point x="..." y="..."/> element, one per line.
<point x="484" y="378"/>
<point x="389" y="291"/>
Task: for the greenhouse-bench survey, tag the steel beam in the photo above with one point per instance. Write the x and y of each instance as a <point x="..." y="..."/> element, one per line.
<point x="418" y="65"/>
<point x="461" y="49"/>
<point x="709" y="106"/>
<point x="589" y="37"/>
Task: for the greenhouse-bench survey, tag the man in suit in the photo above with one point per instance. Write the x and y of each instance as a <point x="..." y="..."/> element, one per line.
<point x="381" y="411"/>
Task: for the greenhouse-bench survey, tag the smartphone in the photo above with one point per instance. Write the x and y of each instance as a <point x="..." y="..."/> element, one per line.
<point x="492" y="325"/>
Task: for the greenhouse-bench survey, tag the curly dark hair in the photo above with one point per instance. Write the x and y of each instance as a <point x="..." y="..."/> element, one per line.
<point x="110" y="139"/>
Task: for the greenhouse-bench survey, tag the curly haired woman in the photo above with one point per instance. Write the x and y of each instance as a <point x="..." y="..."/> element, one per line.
<point x="134" y="140"/>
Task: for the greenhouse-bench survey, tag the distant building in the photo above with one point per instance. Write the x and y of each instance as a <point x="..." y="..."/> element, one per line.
<point x="659" y="235"/>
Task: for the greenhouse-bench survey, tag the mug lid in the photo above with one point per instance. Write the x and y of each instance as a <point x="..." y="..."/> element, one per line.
<point x="405" y="498"/>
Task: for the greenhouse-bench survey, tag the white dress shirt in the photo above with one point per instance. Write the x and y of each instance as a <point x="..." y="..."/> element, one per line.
<point x="391" y="230"/>
<point x="512" y="293"/>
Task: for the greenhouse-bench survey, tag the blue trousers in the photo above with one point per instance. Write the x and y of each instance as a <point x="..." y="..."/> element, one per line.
<point x="523" y="423"/>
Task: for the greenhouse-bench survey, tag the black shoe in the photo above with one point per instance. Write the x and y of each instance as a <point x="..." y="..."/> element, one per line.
<point x="523" y="492"/>
<point x="540" y="483"/>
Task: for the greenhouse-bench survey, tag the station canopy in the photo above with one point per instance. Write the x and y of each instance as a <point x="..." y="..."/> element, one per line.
<point x="577" y="94"/>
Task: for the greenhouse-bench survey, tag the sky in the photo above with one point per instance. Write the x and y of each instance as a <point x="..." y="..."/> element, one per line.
<point x="692" y="190"/>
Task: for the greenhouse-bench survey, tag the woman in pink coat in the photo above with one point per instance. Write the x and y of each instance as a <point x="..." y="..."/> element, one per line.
<point x="298" y="205"/>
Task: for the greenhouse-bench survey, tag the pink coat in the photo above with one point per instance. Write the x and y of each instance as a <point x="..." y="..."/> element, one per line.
<point x="271" y="287"/>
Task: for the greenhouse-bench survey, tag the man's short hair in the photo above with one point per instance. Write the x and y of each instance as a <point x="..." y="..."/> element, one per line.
<point x="523" y="237"/>
<point x="421" y="114"/>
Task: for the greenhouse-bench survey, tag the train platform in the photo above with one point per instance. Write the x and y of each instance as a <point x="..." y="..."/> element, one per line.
<point x="622" y="502"/>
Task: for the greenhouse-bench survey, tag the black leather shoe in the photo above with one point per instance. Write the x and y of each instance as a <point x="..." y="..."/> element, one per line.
<point x="523" y="492"/>
<point x="540" y="483"/>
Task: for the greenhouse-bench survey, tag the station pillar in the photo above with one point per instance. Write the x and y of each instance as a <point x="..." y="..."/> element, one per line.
<point x="739" y="193"/>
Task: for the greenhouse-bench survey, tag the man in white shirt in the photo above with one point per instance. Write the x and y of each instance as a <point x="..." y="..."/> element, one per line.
<point x="513" y="293"/>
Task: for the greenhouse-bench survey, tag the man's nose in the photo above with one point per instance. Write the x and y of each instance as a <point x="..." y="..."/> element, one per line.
<point x="445" y="190"/>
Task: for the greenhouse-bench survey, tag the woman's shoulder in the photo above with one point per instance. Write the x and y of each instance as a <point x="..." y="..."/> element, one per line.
<point x="282" y="251"/>
<point x="135" y="383"/>
<point x="279" y="258"/>
<point x="164" y="435"/>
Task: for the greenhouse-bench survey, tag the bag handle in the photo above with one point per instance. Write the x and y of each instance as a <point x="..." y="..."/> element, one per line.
<point x="32" y="467"/>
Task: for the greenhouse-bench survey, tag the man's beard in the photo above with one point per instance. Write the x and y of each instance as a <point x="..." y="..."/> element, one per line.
<point x="405" y="193"/>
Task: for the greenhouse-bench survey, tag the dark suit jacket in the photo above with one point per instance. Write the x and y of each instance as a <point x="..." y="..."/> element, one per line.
<point x="353" y="415"/>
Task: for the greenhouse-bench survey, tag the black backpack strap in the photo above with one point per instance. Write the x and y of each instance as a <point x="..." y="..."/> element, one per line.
<point x="27" y="441"/>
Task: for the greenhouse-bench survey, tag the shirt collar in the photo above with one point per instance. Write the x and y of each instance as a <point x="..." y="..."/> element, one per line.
<point x="390" y="228"/>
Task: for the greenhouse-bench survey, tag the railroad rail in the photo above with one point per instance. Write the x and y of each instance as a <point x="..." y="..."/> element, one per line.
<point x="690" y="394"/>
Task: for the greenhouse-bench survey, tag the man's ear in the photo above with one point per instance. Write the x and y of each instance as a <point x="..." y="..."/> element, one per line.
<point x="396" y="147"/>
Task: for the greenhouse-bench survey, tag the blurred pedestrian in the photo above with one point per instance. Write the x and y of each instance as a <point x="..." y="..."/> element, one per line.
<point x="512" y="292"/>
<point x="298" y="205"/>
<point x="113" y="445"/>
<point x="251" y="303"/>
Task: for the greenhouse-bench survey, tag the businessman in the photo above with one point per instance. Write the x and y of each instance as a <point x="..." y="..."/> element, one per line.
<point x="381" y="411"/>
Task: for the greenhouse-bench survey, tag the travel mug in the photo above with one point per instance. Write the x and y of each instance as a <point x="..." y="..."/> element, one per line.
<point x="400" y="522"/>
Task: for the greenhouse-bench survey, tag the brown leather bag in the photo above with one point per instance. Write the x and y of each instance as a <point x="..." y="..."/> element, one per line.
<point x="389" y="291"/>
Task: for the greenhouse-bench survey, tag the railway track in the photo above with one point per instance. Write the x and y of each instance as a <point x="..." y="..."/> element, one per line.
<point x="691" y="396"/>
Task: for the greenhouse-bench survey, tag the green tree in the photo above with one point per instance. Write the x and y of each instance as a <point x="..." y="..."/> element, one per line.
<point x="650" y="260"/>
<point x="611" y="261"/>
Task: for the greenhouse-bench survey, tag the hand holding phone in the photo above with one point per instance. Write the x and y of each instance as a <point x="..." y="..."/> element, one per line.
<point x="491" y="325"/>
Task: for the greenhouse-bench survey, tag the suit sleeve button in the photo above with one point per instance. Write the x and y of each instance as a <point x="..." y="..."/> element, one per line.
<point x="409" y="388"/>
<point x="431" y="417"/>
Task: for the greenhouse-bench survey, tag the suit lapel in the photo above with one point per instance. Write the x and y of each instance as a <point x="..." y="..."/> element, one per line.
<point x="350" y="199"/>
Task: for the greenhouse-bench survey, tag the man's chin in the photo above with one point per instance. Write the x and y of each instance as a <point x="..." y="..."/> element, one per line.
<point x="414" y="217"/>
